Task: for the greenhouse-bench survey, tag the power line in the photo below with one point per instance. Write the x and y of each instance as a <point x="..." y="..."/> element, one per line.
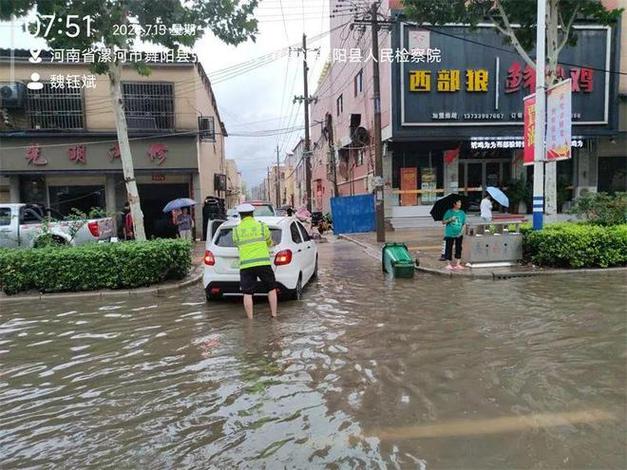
<point x="261" y="133"/>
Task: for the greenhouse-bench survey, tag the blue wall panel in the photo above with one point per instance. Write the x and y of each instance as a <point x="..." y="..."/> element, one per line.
<point x="353" y="214"/>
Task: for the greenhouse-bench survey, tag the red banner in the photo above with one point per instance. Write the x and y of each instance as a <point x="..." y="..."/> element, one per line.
<point x="529" y="128"/>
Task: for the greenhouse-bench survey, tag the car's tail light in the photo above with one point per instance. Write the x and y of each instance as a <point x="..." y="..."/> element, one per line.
<point x="94" y="229"/>
<point x="209" y="258"/>
<point x="283" y="257"/>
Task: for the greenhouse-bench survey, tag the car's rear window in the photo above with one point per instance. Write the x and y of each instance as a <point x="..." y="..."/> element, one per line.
<point x="225" y="237"/>
<point x="263" y="211"/>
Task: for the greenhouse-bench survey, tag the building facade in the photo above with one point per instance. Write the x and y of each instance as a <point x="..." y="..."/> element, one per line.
<point x="58" y="146"/>
<point x="451" y="109"/>
<point x="234" y="190"/>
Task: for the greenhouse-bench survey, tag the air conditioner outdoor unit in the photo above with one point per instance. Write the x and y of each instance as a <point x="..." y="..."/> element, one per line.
<point x="12" y="95"/>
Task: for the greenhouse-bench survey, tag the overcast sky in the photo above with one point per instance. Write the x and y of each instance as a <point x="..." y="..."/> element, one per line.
<point x="260" y="99"/>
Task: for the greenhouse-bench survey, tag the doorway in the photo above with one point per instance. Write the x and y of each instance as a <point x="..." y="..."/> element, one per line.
<point x="154" y="197"/>
<point x="477" y="174"/>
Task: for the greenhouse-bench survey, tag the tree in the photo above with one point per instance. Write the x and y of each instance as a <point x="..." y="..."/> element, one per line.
<point x="230" y="20"/>
<point x="560" y="17"/>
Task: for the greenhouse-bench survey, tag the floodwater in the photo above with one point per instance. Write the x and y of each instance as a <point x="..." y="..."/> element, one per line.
<point x="430" y="373"/>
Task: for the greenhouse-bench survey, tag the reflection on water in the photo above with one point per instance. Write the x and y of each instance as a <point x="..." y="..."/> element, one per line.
<point x="366" y="371"/>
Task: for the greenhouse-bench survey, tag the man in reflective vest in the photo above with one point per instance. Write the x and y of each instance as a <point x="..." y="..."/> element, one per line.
<point x="253" y="240"/>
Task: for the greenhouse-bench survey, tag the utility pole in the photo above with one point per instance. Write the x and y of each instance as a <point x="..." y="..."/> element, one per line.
<point x="375" y="24"/>
<point x="332" y="155"/>
<point x="268" y="185"/>
<point x="278" y="180"/>
<point x="540" y="112"/>
<point x="378" y="150"/>
<point x="306" y="99"/>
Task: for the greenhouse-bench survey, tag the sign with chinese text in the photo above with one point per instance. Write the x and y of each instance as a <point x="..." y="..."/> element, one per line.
<point x="77" y="154"/>
<point x="529" y="129"/>
<point x="409" y="182"/>
<point x="558" y="121"/>
<point x="482" y="81"/>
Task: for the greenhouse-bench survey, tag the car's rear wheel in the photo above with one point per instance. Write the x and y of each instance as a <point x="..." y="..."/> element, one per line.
<point x="297" y="293"/>
<point x="315" y="273"/>
<point x="212" y="297"/>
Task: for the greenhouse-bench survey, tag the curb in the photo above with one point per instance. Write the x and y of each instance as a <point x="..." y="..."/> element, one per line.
<point x="491" y="274"/>
<point x="192" y="278"/>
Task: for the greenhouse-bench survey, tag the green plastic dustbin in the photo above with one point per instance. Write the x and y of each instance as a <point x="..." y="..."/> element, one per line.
<point x="397" y="260"/>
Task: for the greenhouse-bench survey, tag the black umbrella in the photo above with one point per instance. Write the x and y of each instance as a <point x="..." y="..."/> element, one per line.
<point x="442" y="205"/>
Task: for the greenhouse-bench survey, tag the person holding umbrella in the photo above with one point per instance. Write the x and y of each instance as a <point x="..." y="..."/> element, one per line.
<point x="486" y="209"/>
<point x="439" y="212"/>
<point x="454" y="221"/>
<point x="185" y="223"/>
<point x="184" y="220"/>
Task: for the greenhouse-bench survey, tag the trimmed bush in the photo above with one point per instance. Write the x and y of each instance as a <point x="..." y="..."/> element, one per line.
<point x="602" y="208"/>
<point x="94" y="266"/>
<point x="569" y="245"/>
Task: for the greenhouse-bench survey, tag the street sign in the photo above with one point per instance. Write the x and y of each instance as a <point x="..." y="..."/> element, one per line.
<point x="559" y="121"/>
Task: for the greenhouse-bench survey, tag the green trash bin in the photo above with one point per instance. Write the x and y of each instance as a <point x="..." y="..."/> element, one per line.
<point x="397" y="260"/>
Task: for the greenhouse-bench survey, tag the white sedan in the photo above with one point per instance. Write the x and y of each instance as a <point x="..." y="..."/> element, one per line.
<point x="294" y="258"/>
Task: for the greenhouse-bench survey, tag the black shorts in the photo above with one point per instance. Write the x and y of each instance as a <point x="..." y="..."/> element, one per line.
<point x="248" y="279"/>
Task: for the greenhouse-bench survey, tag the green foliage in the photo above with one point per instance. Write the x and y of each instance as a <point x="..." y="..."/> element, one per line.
<point x="94" y="266"/>
<point x="231" y="21"/>
<point x="569" y="245"/>
<point x="602" y="208"/>
<point x="518" y="190"/>
<point x="522" y="12"/>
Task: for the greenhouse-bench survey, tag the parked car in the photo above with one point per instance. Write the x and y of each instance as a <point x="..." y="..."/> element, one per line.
<point x="263" y="209"/>
<point x="21" y="227"/>
<point x="294" y="258"/>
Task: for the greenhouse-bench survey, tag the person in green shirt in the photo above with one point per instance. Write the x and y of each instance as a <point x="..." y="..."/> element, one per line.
<point x="454" y="222"/>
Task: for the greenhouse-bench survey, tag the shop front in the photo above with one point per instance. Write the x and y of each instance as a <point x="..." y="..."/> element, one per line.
<point x="68" y="176"/>
<point x="458" y="115"/>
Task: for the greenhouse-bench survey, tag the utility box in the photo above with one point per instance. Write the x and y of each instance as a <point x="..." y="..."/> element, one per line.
<point x="493" y="243"/>
<point x="397" y="260"/>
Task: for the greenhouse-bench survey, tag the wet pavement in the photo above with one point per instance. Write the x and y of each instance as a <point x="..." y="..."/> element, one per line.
<point x="366" y="371"/>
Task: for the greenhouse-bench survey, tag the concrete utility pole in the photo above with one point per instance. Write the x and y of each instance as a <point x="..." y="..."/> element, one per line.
<point x="306" y="99"/>
<point x="375" y="24"/>
<point x="332" y="155"/>
<point x="268" y="186"/>
<point x="378" y="150"/>
<point x="278" y="180"/>
<point x="540" y="124"/>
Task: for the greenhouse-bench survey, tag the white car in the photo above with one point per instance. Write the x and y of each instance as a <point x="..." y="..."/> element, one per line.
<point x="294" y="258"/>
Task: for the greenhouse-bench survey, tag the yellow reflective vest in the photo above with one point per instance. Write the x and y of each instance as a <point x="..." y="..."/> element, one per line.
<point x="252" y="238"/>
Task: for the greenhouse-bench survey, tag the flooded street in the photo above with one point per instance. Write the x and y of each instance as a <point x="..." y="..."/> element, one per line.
<point x="430" y="373"/>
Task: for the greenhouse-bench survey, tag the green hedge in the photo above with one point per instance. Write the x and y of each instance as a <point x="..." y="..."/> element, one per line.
<point x="569" y="245"/>
<point x="94" y="266"/>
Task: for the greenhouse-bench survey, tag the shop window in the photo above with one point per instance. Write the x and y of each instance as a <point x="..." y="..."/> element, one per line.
<point x="55" y="108"/>
<point x="33" y="190"/>
<point x="612" y="174"/>
<point x="83" y="198"/>
<point x="149" y="105"/>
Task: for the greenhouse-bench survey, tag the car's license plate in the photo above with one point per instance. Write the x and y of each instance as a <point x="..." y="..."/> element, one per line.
<point x="235" y="264"/>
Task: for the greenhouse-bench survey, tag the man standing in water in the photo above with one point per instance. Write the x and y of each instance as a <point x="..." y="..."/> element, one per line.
<point x="253" y="240"/>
